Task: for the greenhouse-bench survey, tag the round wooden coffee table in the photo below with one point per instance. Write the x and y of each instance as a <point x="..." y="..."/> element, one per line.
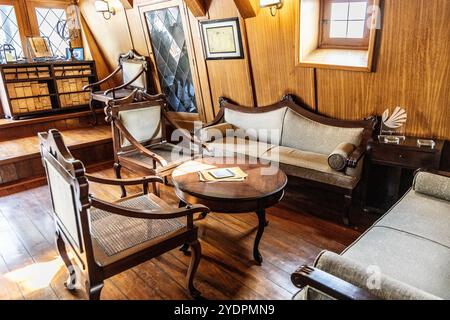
<point x="261" y="189"/>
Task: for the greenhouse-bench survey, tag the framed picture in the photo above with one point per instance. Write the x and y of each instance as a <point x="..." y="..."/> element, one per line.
<point x="78" y="53"/>
<point x="39" y="48"/>
<point x="222" y="39"/>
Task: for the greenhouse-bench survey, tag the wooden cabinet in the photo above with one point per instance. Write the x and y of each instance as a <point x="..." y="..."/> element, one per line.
<point x="33" y="89"/>
<point x="391" y="167"/>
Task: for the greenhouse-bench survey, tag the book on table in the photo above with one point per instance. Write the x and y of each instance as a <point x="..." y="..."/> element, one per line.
<point x="222" y="174"/>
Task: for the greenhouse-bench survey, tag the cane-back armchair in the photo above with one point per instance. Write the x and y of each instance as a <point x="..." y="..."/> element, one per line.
<point x="108" y="238"/>
<point x="139" y="131"/>
<point x="135" y="75"/>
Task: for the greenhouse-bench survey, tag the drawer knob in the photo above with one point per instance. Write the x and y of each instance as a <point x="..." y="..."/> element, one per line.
<point x="400" y="156"/>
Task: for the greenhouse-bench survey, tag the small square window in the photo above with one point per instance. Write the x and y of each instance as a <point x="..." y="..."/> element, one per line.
<point x="344" y="24"/>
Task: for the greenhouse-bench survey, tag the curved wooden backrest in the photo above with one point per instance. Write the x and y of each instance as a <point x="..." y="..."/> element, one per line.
<point x="116" y="109"/>
<point x="69" y="191"/>
<point x="288" y="101"/>
<point x="135" y="69"/>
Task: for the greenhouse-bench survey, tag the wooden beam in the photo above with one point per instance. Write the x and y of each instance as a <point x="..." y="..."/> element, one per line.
<point x="127" y="4"/>
<point x="197" y="7"/>
<point x="247" y="8"/>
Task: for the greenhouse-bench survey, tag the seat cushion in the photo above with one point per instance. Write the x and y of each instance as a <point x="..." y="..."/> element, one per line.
<point x="118" y="94"/>
<point x="231" y="146"/>
<point x="117" y="233"/>
<point x="308" y="135"/>
<point x="421" y="215"/>
<point x="309" y="165"/>
<point x="405" y="257"/>
<point x="264" y="126"/>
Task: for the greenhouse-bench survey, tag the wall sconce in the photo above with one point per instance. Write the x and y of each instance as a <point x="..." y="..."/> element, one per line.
<point x="274" y="5"/>
<point x="104" y="8"/>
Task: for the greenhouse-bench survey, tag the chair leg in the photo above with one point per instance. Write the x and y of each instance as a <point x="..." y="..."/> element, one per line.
<point x="156" y="190"/>
<point x="94" y="290"/>
<point x="94" y="115"/>
<point x="72" y="279"/>
<point x="117" y="169"/>
<point x="195" y="261"/>
<point x="185" y="247"/>
<point x="347" y="207"/>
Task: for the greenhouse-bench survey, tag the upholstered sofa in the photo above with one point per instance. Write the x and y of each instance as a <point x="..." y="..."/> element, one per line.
<point x="299" y="140"/>
<point x="405" y="255"/>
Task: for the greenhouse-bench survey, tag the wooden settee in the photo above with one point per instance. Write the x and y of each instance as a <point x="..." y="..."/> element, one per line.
<point x="404" y="256"/>
<point x="297" y="139"/>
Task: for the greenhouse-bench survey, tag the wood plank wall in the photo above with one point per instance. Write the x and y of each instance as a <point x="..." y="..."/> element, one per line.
<point x="412" y="65"/>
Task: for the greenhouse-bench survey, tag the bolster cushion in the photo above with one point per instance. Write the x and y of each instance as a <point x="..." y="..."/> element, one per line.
<point x="215" y="132"/>
<point x="379" y="284"/>
<point x="337" y="160"/>
<point x="432" y="185"/>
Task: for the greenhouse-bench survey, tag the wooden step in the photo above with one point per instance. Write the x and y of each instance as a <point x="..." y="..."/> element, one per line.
<point x="15" y="129"/>
<point x="20" y="158"/>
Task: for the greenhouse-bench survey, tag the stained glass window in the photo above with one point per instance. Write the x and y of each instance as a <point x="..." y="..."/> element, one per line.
<point x="48" y="19"/>
<point x="9" y="29"/>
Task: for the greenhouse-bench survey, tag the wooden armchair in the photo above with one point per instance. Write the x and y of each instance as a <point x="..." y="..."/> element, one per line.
<point x="108" y="238"/>
<point x="139" y="136"/>
<point x="135" y="75"/>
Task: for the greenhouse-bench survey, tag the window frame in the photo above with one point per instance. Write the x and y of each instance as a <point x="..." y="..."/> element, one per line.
<point x="22" y="23"/>
<point x="27" y="18"/>
<point x="308" y="53"/>
<point x="49" y="4"/>
<point x="326" y="42"/>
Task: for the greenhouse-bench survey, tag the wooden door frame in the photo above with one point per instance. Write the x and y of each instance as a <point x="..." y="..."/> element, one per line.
<point x="158" y="4"/>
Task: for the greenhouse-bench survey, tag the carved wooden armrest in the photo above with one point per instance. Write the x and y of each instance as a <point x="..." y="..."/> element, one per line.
<point x="90" y="86"/>
<point x="328" y="284"/>
<point x="147" y="214"/>
<point x="190" y="137"/>
<point x="138" y="145"/>
<point x="153" y="97"/>
<point x="124" y="182"/>
<point x="356" y="156"/>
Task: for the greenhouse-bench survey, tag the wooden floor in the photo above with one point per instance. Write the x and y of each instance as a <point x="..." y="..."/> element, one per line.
<point x="31" y="269"/>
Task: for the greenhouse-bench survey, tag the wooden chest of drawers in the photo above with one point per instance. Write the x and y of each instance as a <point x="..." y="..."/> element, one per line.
<point x="40" y="88"/>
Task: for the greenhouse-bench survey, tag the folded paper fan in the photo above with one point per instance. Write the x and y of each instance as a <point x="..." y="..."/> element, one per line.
<point x="396" y="120"/>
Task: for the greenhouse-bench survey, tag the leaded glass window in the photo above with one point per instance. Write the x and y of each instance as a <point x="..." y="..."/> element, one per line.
<point x="9" y="29"/>
<point x="172" y="59"/>
<point x="48" y="19"/>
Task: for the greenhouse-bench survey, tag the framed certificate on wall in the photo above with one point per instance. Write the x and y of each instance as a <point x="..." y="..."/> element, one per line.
<point x="222" y="39"/>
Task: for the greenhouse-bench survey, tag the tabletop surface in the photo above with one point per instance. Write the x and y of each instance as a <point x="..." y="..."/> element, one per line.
<point x="263" y="180"/>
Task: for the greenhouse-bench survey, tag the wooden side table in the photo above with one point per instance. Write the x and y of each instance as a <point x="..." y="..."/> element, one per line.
<point x="391" y="167"/>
